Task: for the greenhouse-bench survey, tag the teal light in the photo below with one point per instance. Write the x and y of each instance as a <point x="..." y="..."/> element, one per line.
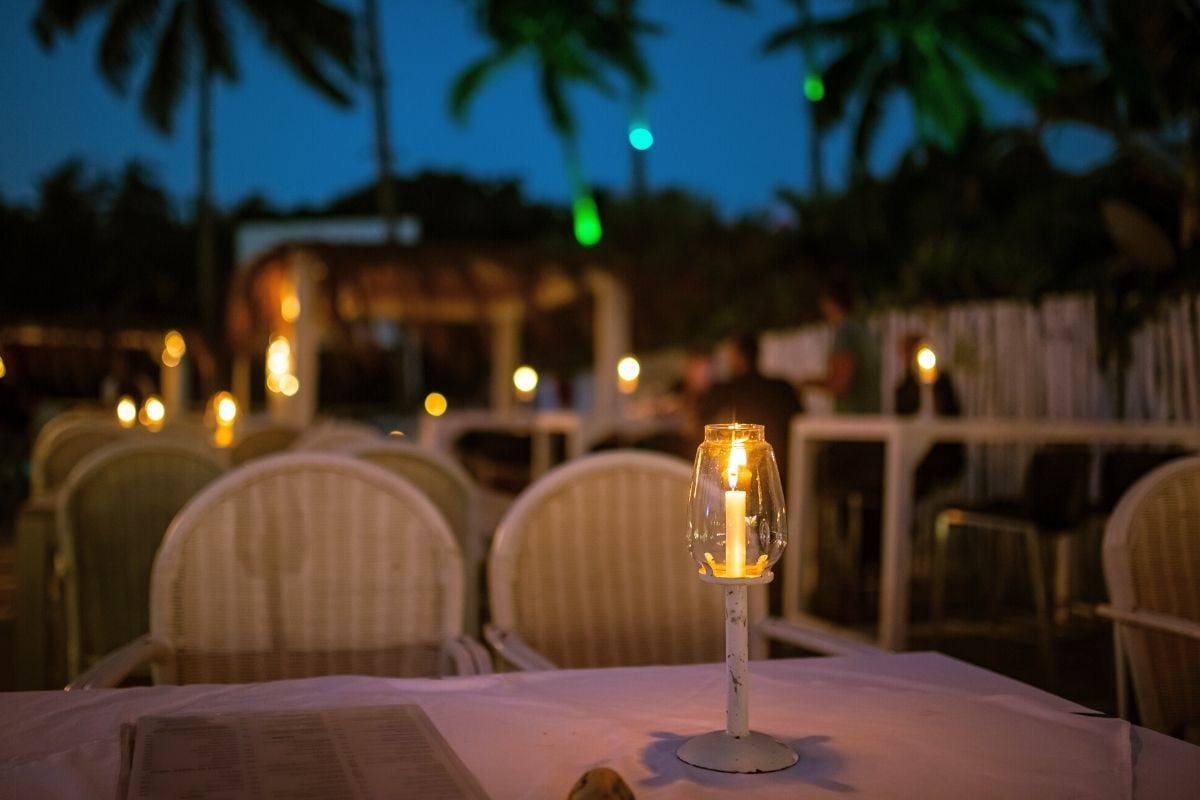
<point x="640" y="137"/>
<point x="814" y="88"/>
<point x="587" y="221"/>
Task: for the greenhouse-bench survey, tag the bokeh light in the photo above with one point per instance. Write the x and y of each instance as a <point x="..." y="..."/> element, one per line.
<point x="525" y="378"/>
<point x="225" y="408"/>
<point x="814" y="88"/>
<point x="155" y="410"/>
<point x="587" y="221"/>
<point x="435" y="404"/>
<point x="640" y="137"/>
<point x="289" y="308"/>
<point x="126" y="412"/>
<point x="174" y="346"/>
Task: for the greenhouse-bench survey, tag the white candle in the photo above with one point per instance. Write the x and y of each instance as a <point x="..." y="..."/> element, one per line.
<point x="735" y="534"/>
<point x="735" y="516"/>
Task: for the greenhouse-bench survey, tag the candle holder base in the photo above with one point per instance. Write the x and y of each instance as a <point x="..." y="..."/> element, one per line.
<point x="721" y="752"/>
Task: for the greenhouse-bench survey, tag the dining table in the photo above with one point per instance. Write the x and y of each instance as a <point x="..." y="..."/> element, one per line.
<point x="891" y="725"/>
<point x="905" y="440"/>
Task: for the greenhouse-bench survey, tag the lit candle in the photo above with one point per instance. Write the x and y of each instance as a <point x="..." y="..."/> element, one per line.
<point x="735" y="515"/>
<point x="225" y="411"/>
<point x="926" y="365"/>
<point x="927" y="374"/>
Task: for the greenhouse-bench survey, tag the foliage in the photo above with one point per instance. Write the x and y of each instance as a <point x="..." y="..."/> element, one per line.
<point x="98" y="249"/>
<point x="991" y="220"/>
<point x="569" y="41"/>
<point x="192" y="44"/>
<point x="195" y="37"/>
<point x="454" y="207"/>
<point x="928" y="49"/>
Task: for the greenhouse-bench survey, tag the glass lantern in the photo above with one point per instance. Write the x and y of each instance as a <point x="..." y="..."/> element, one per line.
<point x="737" y="525"/>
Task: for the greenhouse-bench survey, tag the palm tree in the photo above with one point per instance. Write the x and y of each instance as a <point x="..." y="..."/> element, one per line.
<point x="377" y="82"/>
<point x="191" y="41"/>
<point x="1148" y="83"/>
<point x="814" y="93"/>
<point x="568" y="41"/>
<point x="930" y="50"/>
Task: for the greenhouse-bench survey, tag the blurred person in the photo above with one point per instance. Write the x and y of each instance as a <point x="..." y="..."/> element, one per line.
<point x="686" y="393"/>
<point x="945" y="461"/>
<point x="749" y="396"/>
<point x="849" y="475"/>
<point x="852" y="374"/>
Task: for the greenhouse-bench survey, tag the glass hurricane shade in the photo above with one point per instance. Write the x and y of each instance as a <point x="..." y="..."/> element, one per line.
<point x="737" y="524"/>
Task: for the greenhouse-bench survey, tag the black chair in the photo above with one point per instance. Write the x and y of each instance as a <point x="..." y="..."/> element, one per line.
<point x="1120" y="468"/>
<point x="1053" y="505"/>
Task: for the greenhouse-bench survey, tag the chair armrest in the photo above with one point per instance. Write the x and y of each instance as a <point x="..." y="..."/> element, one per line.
<point x="120" y="663"/>
<point x="816" y="635"/>
<point x="462" y="655"/>
<point x="1153" y="620"/>
<point x="981" y="519"/>
<point x="509" y="646"/>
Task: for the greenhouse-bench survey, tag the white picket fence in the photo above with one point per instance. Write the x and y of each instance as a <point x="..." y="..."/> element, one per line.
<point x="1011" y="359"/>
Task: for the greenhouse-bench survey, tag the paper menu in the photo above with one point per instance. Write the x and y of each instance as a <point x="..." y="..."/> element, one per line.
<point x="367" y="752"/>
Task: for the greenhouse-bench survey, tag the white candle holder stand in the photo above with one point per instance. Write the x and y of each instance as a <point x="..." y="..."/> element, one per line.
<point x="737" y="748"/>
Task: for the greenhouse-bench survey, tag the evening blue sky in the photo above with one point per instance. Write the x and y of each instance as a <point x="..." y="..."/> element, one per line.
<point x="729" y="122"/>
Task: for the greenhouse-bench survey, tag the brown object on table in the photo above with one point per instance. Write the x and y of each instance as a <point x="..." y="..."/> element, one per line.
<point x="601" y="783"/>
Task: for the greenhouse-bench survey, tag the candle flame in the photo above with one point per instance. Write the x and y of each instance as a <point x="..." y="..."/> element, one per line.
<point x="737" y="460"/>
<point x="926" y="358"/>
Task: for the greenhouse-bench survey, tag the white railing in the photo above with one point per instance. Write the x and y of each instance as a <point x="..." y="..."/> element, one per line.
<point x="1013" y="359"/>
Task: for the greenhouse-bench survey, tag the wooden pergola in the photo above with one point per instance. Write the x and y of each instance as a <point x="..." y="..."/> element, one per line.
<point x="303" y="290"/>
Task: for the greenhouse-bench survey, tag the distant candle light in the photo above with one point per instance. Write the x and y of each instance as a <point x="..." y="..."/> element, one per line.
<point x="126" y="412"/>
<point x="926" y="364"/>
<point x="435" y="404"/>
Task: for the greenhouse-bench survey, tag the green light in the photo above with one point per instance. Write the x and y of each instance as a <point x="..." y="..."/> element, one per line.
<point x="814" y="88"/>
<point x="587" y="221"/>
<point x="640" y="137"/>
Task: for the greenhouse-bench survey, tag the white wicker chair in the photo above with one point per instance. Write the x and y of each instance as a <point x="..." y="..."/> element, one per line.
<point x="590" y="568"/>
<point x="63" y="442"/>
<point x="262" y="441"/>
<point x="112" y="513"/>
<point x="470" y="509"/>
<point x="334" y="436"/>
<point x="298" y="565"/>
<point x="1152" y="569"/>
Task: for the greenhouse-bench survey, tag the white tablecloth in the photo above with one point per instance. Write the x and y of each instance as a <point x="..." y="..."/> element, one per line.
<point x="905" y="725"/>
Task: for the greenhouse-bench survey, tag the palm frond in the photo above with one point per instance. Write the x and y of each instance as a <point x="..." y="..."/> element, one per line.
<point x="169" y="71"/>
<point x="561" y="117"/>
<point x="846" y="75"/>
<point x="215" y="40"/>
<point x="783" y="37"/>
<point x="942" y="97"/>
<point x="1005" y="54"/>
<point x="468" y="82"/>
<point x="60" y="16"/>
<point x="875" y="92"/>
<point x="129" y="26"/>
<point x="315" y="38"/>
